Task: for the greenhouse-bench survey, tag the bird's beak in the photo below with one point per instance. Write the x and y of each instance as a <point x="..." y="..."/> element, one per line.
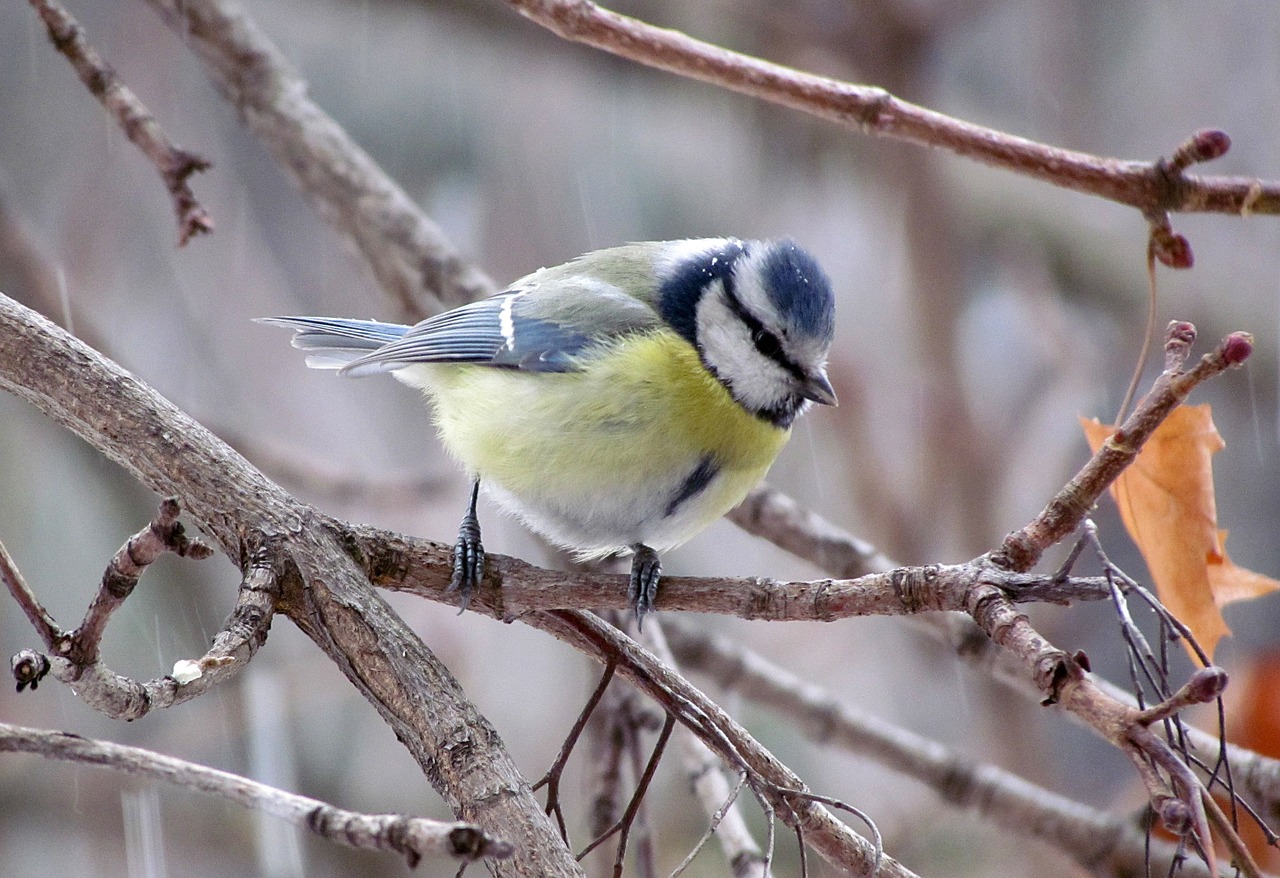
<point x="817" y="388"/>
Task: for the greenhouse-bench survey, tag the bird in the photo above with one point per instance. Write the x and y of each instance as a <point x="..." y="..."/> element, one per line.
<point x="620" y="402"/>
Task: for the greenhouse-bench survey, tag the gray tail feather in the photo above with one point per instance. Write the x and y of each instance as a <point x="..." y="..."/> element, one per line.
<point x="333" y="342"/>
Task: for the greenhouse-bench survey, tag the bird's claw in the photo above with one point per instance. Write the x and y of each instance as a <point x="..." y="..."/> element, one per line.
<point x="642" y="590"/>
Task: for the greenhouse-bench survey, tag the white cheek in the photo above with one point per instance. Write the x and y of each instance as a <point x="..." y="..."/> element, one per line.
<point x="756" y="381"/>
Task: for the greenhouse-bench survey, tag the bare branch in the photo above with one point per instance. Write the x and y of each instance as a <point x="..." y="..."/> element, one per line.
<point x="1095" y="840"/>
<point x="554" y="774"/>
<point x="122" y="698"/>
<point x="513" y="588"/>
<point x="624" y="824"/>
<point x="128" y="422"/>
<point x="770" y="514"/>
<point x="1023" y="548"/>
<point x="614" y="732"/>
<point x="1152" y="187"/>
<point x="770" y="779"/>
<point x="410" y="256"/>
<point x="411" y="837"/>
<point x="174" y="163"/>
<point x="1257" y="777"/>
<point x="707" y="777"/>
<point x="323" y="590"/>
<point x="164" y="534"/>
<point x="76" y="654"/>
<point x="35" y="612"/>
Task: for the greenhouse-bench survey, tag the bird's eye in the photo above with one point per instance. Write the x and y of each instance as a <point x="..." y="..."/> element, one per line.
<point x="766" y="342"/>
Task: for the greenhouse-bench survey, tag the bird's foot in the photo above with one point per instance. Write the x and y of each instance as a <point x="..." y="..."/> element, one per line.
<point x="643" y="588"/>
<point x="468" y="556"/>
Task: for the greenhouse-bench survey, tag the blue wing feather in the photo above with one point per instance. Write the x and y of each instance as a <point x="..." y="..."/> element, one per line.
<point x="517" y="329"/>
<point x="489" y="332"/>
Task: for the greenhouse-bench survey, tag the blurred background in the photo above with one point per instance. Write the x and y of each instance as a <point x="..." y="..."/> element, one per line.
<point x="979" y="315"/>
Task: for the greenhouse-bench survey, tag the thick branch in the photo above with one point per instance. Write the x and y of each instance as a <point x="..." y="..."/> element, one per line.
<point x="411" y="837"/>
<point x="326" y="594"/>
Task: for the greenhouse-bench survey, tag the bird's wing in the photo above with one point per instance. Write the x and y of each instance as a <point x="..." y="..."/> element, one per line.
<point x="535" y="328"/>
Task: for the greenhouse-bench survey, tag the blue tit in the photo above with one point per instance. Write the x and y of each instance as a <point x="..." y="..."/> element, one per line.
<point x="622" y="401"/>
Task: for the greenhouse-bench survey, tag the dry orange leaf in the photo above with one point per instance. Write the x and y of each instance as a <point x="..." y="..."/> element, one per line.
<point x="1167" y="504"/>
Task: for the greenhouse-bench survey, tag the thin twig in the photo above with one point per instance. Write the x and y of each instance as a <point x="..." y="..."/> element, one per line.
<point x="637" y="836"/>
<point x="76" y="655"/>
<point x="623" y="823"/>
<point x="164" y="534"/>
<point x="1152" y="187"/>
<point x="45" y="625"/>
<point x="552" y="778"/>
<point x="412" y="260"/>
<point x="174" y="163"/>
<point x="609" y="734"/>
<point x="768" y="513"/>
<point x="831" y="838"/>
<point x="1023" y="548"/>
<point x="242" y="634"/>
<point x="411" y="837"/>
<point x="1148" y="334"/>
<point x="1096" y="840"/>
<point x="710" y="785"/>
<point x="717" y="817"/>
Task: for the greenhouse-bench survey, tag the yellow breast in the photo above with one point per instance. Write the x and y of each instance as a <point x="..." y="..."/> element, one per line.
<point x="594" y="458"/>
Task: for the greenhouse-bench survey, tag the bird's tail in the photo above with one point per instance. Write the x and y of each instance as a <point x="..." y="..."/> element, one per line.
<point x="333" y="342"/>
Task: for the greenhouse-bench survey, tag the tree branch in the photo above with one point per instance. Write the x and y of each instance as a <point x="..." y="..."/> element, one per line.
<point x="412" y="260"/>
<point x="1023" y="548"/>
<point x="411" y="837"/>
<point x="1154" y="188"/>
<point x="322" y="590"/>
<point x="174" y="163"/>
<point x="772" y="515"/>
<point x="1097" y="841"/>
<point x="773" y="782"/>
<point x="513" y="588"/>
<point x="164" y="534"/>
<point x="76" y="654"/>
<point x="132" y="424"/>
<point x="707" y="777"/>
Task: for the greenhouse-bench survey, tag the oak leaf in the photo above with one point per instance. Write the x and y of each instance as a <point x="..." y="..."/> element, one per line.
<point x="1166" y="501"/>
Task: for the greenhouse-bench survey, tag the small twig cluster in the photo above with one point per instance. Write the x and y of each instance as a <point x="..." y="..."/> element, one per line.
<point x="76" y="660"/>
<point x="75" y="656"/>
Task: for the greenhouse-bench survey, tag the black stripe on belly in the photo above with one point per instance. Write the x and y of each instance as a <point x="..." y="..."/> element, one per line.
<point x="694" y="484"/>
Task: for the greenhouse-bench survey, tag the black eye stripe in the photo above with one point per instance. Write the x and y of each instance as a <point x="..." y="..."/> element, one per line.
<point x="765" y="341"/>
